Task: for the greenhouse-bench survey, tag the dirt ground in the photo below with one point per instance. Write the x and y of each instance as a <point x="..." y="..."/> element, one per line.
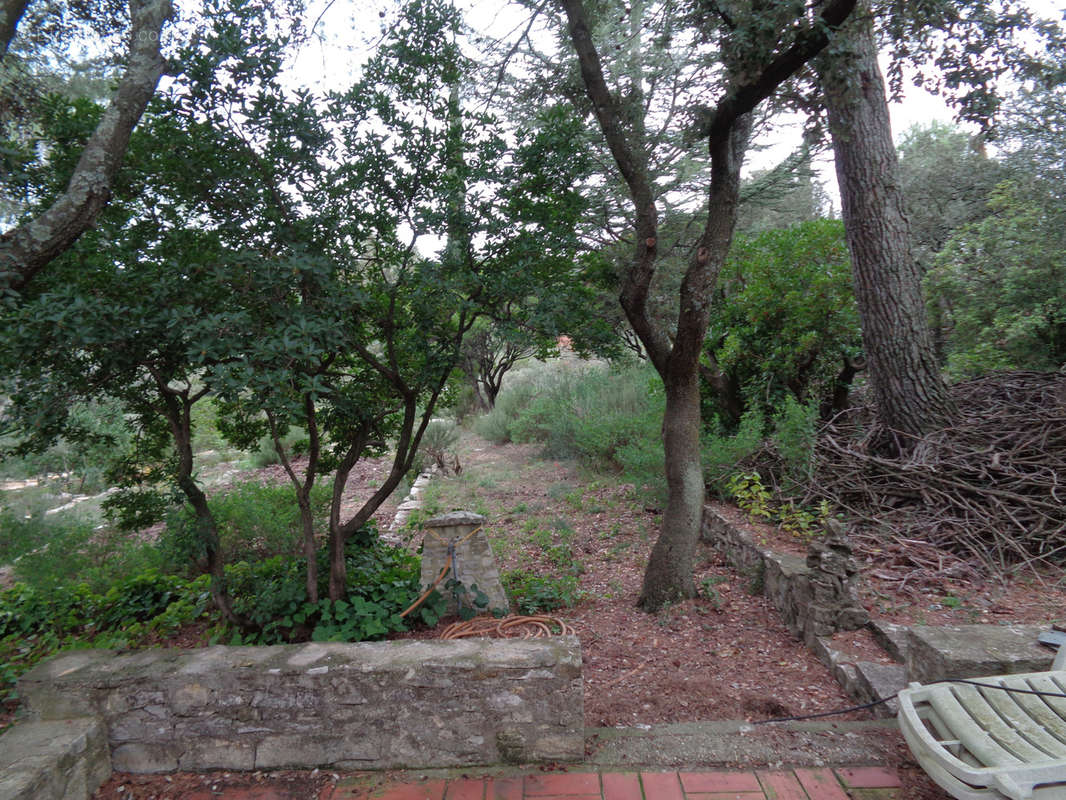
<point x="723" y="655"/>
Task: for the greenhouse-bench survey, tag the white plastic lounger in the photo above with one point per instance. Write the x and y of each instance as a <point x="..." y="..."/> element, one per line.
<point x="982" y="743"/>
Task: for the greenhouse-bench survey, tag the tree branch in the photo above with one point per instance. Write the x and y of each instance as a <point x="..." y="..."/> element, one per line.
<point x="632" y="164"/>
<point x="807" y="45"/>
<point x="27" y="249"/>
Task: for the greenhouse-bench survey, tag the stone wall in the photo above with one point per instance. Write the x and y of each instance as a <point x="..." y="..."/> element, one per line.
<point x="351" y="706"/>
<point x="60" y="760"/>
<point x="815" y="595"/>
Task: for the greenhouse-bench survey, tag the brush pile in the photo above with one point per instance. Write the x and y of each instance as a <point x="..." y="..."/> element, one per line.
<point x="990" y="488"/>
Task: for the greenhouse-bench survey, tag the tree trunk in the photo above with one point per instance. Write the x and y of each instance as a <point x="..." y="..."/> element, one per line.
<point x="909" y="393"/>
<point x="668" y="575"/>
<point x="27" y="249"/>
<point x="11" y="12"/>
<point x="177" y="408"/>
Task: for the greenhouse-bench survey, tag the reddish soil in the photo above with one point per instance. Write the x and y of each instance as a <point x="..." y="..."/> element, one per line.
<point x="724" y="655"/>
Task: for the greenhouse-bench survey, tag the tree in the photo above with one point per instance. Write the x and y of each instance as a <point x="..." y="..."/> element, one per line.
<point x="755" y="58"/>
<point x="27" y="248"/>
<point x="909" y="393"/>
<point x="971" y="44"/>
<point x="785" y="195"/>
<point x="999" y="282"/>
<point x="784" y="322"/>
<point x="297" y="293"/>
<point x="490" y="352"/>
<point x="11" y="12"/>
<point x="946" y="178"/>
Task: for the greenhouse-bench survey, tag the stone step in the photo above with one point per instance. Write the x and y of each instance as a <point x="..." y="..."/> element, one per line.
<point x="879" y="681"/>
<point x="65" y="759"/>
<point x="892" y="637"/>
<point x="974" y="651"/>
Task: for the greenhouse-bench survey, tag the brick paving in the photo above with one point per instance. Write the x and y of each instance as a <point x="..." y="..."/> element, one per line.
<point x="868" y="783"/>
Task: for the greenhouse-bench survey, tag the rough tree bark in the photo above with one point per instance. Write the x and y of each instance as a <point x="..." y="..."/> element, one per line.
<point x="177" y="408"/>
<point x="27" y="249"/>
<point x="668" y="576"/>
<point x="909" y="392"/>
<point x="11" y="12"/>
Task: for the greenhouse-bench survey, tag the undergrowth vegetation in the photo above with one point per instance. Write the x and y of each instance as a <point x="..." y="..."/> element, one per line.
<point x="79" y="586"/>
<point x="609" y="418"/>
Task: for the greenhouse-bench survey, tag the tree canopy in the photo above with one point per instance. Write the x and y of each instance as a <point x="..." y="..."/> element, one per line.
<point x="329" y="260"/>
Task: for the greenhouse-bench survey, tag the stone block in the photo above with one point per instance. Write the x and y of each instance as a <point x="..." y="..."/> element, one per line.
<point x="973" y="651"/>
<point x="456" y="539"/>
<point x="203" y="754"/>
<point x="893" y="638"/>
<point x="878" y="681"/>
<point x="54" y="760"/>
<point x="321" y="750"/>
<point x="145" y="756"/>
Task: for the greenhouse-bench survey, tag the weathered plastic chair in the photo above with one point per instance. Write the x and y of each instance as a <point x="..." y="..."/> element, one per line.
<point x="982" y="743"/>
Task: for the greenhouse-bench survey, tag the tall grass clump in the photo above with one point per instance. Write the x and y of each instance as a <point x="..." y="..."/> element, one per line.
<point x="608" y="418"/>
<point x="522" y="386"/>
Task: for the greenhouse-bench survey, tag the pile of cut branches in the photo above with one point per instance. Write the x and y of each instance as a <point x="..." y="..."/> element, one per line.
<point x="991" y="487"/>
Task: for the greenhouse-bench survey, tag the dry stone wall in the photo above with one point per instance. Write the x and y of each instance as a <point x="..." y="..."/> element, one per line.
<point x="351" y="706"/>
<point x="815" y="595"/>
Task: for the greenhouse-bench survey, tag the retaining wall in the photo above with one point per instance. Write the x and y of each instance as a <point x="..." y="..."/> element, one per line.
<point x="798" y="592"/>
<point x="351" y="706"/>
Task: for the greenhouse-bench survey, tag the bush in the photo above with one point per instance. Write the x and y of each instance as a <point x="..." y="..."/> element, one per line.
<point x="294" y="441"/>
<point x="532" y="594"/>
<point x="794" y="436"/>
<point x="785" y="316"/>
<point x="439" y="440"/>
<point x="383" y="580"/>
<point x="608" y="419"/>
<point x="255" y="521"/>
<point x="497" y="425"/>
<point x="54" y="550"/>
<point x="37" y="622"/>
<point x="723" y="453"/>
<point x="96" y="437"/>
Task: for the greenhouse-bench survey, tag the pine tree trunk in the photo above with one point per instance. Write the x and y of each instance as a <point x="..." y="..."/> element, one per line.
<point x="909" y="392"/>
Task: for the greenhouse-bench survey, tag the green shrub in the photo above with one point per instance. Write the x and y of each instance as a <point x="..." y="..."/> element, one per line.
<point x="608" y="419"/>
<point x="255" y="521"/>
<point x="794" y="435"/>
<point x="21" y="533"/>
<point x="784" y="316"/>
<point x="383" y="580"/>
<point x="36" y="622"/>
<point x="59" y="549"/>
<point x="295" y="442"/>
<point x="643" y="464"/>
<point x="722" y="452"/>
<point x="535" y="593"/>
<point x="96" y="436"/>
<point x="497" y="425"/>
<point x="439" y="441"/>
